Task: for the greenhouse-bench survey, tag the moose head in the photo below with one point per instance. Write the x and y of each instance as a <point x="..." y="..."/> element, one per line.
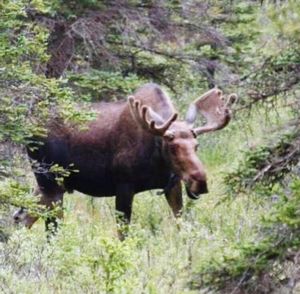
<point x="179" y="137"/>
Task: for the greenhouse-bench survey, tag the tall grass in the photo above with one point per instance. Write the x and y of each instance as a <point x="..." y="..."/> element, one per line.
<point x="160" y="254"/>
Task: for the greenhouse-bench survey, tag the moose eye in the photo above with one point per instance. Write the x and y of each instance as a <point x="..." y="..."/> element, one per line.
<point x="169" y="135"/>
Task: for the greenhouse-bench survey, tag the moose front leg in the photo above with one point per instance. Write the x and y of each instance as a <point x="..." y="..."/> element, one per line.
<point x="124" y="199"/>
<point x="174" y="198"/>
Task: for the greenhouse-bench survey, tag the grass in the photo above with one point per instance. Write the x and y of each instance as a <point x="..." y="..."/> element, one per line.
<point x="160" y="255"/>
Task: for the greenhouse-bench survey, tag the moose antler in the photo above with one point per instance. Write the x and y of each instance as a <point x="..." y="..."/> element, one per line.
<point x="140" y="114"/>
<point x="212" y="106"/>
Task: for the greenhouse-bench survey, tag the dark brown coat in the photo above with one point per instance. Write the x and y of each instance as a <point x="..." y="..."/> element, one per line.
<point x="121" y="154"/>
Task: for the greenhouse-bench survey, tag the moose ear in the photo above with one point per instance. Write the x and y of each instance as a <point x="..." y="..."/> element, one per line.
<point x="214" y="109"/>
<point x="191" y="114"/>
<point x="194" y="108"/>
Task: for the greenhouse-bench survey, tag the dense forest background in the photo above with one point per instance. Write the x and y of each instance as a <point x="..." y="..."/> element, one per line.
<point x="56" y="57"/>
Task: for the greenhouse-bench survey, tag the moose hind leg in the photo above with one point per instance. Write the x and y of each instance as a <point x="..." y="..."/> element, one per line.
<point x="48" y="199"/>
<point x="22" y="215"/>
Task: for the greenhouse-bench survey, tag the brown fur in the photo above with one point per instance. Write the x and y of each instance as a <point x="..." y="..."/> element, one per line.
<point x="116" y="156"/>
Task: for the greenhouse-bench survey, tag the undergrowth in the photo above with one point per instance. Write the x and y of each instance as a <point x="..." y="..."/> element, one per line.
<point x="215" y="243"/>
<point x="268" y="174"/>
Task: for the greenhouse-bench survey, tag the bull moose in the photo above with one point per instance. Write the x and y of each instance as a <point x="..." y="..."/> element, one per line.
<point x="132" y="146"/>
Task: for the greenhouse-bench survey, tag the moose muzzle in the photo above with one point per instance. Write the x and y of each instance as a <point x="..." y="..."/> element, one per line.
<point x="195" y="185"/>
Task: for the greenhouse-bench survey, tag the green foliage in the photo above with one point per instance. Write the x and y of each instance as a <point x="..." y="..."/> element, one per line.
<point x="28" y="100"/>
<point x="286" y="212"/>
<point x="242" y="30"/>
<point x="251" y="48"/>
<point x="17" y="194"/>
<point x="276" y="239"/>
<point x="106" y="260"/>
<point x="284" y="21"/>
<point x="60" y="173"/>
<point x="265" y="166"/>
<point x="102" y="85"/>
<point x="115" y="261"/>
